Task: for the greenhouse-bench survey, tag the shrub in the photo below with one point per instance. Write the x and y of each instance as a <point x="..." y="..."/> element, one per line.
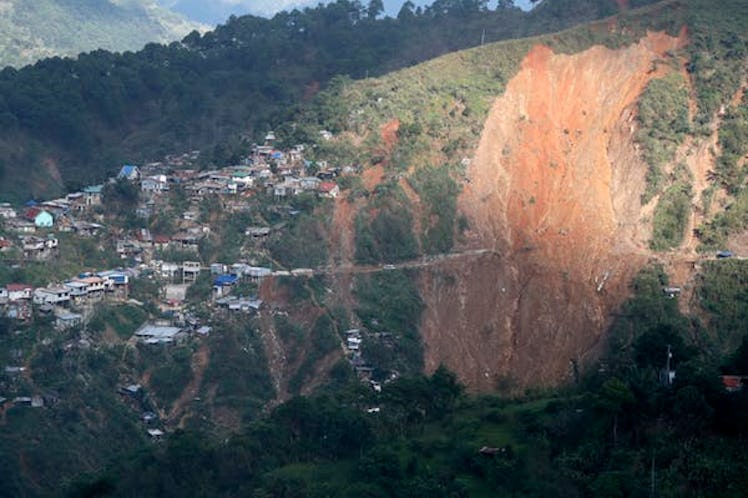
<point x="663" y="120"/>
<point x="438" y="192"/>
<point x="671" y="217"/>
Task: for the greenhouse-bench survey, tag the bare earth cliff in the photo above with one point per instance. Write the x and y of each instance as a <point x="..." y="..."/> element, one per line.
<point x="554" y="190"/>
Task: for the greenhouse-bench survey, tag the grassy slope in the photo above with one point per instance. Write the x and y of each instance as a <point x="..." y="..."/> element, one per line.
<point x="441" y="106"/>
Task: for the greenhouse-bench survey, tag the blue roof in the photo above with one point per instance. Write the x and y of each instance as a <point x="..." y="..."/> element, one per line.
<point x="127" y="170"/>
<point x="223" y="280"/>
<point x="31" y="203"/>
<point x="93" y="189"/>
<point x="276" y="155"/>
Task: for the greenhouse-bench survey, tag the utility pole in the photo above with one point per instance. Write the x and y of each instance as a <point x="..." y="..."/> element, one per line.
<point x="668" y="380"/>
<point x="483" y="37"/>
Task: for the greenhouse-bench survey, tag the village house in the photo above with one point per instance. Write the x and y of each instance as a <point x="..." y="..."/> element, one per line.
<point x="169" y="270"/>
<point x="190" y="271"/>
<point x="116" y="282"/>
<point x="129" y="172"/>
<point x="86" y="229"/>
<point x="3" y="295"/>
<point x="38" y="248"/>
<point x="223" y="283"/>
<point x="156" y="333"/>
<point x="155" y="184"/>
<point x="56" y="207"/>
<point x="5" y="245"/>
<point x="243" y="177"/>
<point x="76" y="201"/>
<point x="288" y="188"/>
<point x="734" y="383"/>
<point x="329" y="190"/>
<point x="218" y="268"/>
<point x="203" y="188"/>
<point x="66" y="320"/>
<point x="185" y="242"/>
<point x="160" y="242"/>
<point x="96" y="286"/>
<point x="257" y="232"/>
<point x="78" y="291"/>
<point x="19" y="292"/>
<point x="92" y="195"/>
<point x="128" y="249"/>
<point x="55" y="296"/>
<point x="310" y="183"/>
<point x="296" y="153"/>
<point x="240" y="304"/>
<point x="6" y="211"/>
<point x="40" y="217"/>
<point x="20" y="225"/>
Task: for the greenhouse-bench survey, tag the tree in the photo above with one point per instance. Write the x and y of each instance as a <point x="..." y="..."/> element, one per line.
<point x="613" y="397"/>
<point x="407" y="11"/>
<point x="739" y="362"/>
<point x="375" y="9"/>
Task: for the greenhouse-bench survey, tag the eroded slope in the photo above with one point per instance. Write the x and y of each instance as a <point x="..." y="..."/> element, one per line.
<point x="554" y="190"/>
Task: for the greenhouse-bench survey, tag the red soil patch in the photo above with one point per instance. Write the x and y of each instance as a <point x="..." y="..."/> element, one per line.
<point x="389" y="134"/>
<point x="372" y="177"/>
<point x="555" y="188"/>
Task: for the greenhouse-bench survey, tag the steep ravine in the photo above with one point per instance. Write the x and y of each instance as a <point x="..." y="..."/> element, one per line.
<point x="554" y="188"/>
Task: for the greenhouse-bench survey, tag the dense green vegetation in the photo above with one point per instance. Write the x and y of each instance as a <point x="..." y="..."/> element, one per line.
<point x="384" y="229"/>
<point x="302" y="244"/>
<point x="390" y="307"/>
<point x="616" y="431"/>
<point x="237" y="371"/>
<point x="671" y="217"/>
<point x="663" y="123"/>
<point x="438" y="192"/>
<point x="722" y="292"/>
<point x="730" y="174"/>
<point x="122" y="320"/>
<point x="321" y="339"/>
<point x="78" y="384"/>
<point x="621" y="430"/>
<point x="716" y="55"/>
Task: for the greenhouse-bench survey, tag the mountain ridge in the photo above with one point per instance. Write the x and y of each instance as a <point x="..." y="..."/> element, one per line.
<point x="48" y="28"/>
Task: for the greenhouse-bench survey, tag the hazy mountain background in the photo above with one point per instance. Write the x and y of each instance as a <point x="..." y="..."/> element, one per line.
<point x="42" y="28"/>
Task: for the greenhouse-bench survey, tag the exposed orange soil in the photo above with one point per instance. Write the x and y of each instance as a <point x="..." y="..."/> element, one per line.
<point x="554" y="189"/>
<point x="372" y="177"/>
<point x="389" y="133"/>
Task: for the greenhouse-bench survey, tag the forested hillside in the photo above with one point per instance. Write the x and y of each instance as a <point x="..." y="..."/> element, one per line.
<point x="617" y="431"/>
<point x="68" y="122"/>
<point x="46" y="28"/>
<point x="514" y="289"/>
